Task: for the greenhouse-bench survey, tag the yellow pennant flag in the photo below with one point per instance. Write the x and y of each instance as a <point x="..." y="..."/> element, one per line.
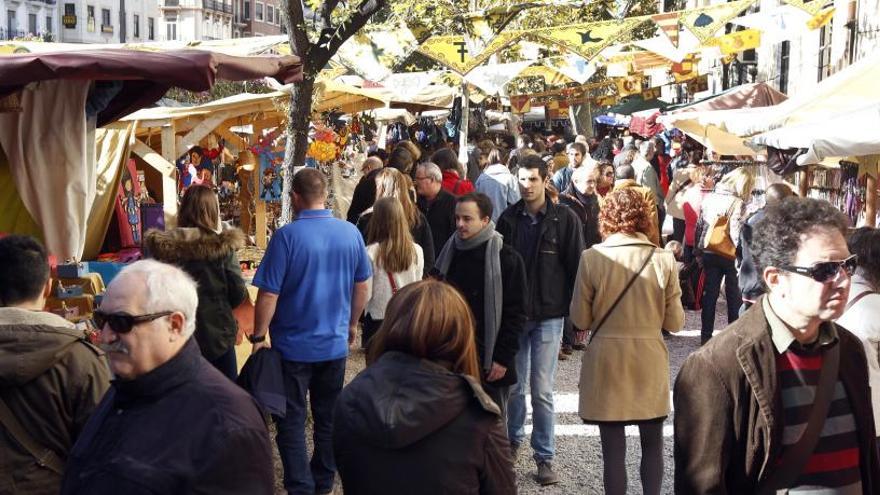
<point x="706" y="21"/>
<point x="739" y="41"/>
<point x="520" y="103"/>
<point x="453" y="51"/>
<point x="629" y="85"/>
<point x="651" y="94"/>
<point x="588" y="39"/>
<point x="812" y="7"/>
<point x="608" y="101"/>
<point x="821" y="19"/>
<point x="686" y="69"/>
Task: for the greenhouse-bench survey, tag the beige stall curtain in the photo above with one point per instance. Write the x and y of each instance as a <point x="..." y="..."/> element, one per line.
<point x="112" y="151"/>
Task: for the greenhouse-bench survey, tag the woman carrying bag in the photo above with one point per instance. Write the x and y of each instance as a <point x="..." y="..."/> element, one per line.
<point x="626" y="292"/>
<point x="397" y="261"/>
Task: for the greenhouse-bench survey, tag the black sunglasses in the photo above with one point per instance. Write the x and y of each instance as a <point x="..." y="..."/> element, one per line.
<point x="123" y="322"/>
<point x="826" y="270"/>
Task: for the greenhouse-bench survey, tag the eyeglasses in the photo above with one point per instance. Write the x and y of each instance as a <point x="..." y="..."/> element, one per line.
<point x="124" y="322"/>
<point x="825" y="271"/>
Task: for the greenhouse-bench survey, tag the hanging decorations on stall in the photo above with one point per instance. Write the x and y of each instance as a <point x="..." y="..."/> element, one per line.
<point x="453" y="51"/>
<point x="128" y="211"/>
<point x="266" y="143"/>
<point x="588" y="39"/>
<point x="707" y="21"/>
<point x="668" y="22"/>
<point x="270" y="175"/>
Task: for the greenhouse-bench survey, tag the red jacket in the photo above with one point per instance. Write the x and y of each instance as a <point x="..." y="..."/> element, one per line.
<point x="455" y="185"/>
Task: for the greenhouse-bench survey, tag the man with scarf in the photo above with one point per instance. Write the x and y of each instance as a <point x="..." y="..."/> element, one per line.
<point x="492" y="278"/>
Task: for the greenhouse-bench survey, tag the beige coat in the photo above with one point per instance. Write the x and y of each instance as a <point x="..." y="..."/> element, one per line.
<point x="625" y="370"/>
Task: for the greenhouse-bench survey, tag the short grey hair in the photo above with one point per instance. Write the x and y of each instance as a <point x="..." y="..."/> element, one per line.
<point x="168" y="288"/>
<point x="432" y="171"/>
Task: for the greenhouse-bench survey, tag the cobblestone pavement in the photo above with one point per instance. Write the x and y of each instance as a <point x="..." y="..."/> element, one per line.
<point x="578" y="451"/>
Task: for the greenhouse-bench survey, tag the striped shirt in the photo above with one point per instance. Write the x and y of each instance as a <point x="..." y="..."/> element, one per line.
<point x="833" y="468"/>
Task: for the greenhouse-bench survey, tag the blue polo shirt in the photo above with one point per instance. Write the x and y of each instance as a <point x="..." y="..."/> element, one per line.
<point x="312" y="264"/>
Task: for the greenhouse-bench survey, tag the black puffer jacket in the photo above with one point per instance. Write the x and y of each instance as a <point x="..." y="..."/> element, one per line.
<point x="406" y="425"/>
<point x="587" y="210"/>
<point x="552" y="273"/>
<point x="209" y="259"/>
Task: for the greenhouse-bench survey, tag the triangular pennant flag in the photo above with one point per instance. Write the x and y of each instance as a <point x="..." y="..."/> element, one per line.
<point x="492" y="78"/>
<point x="588" y="39"/>
<point x="686" y="69"/>
<point x="651" y="94"/>
<point x="739" y="41"/>
<point x="453" y="51"/>
<point x="812" y="7"/>
<point x="661" y="46"/>
<point x="668" y="23"/>
<point x="552" y="76"/>
<point x="707" y="21"/>
<point x="373" y="53"/>
<point x="629" y="85"/>
<point x="520" y="103"/>
<point x="821" y="18"/>
<point x="572" y="67"/>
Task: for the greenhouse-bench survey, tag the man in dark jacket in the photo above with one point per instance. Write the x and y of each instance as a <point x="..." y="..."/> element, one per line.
<point x="749" y="280"/>
<point x="436" y="203"/>
<point x="171" y="423"/>
<point x="744" y="401"/>
<point x="492" y="278"/>
<point x="549" y="239"/>
<point x="51" y="378"/>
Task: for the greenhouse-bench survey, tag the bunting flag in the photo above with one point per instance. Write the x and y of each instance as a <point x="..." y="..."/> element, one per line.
<point x="406" y="85"/>
<point x="661" y="46"/>
<point x="686" y="69"/>
<point x="639" y="60"/>
<point x="551" y="75"/>
<point x="373" y="54"/>
<point x="557" y="109"/>
<point x="738" y="41"/>
<point x="707" y="21"/>
<point x="607" y="101"/>
<point x="651" y="94"/>
<point x="572" y="67"/>
<point x="588" y="39"/>
<point x="453" y="51"/>
<point x="821" y="19"/>
<point x="668" y="22"/>
<point x="629" y="85"/>
<point x="812" y="7"/>
<point x="492" y="79"/>
<point x="699" y="84"/>
<point x="520" y="103"/>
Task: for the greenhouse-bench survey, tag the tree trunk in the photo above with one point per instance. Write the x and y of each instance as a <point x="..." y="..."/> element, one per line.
<point x="297" y="140"/>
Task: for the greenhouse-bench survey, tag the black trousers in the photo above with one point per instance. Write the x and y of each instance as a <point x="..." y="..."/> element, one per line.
<point x="718" y="268"/>
<point x="678" y="226"/>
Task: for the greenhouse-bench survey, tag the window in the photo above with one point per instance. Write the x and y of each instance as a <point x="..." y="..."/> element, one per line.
<point x="11" y="25"/>
<point x="49" y="24"/>
<point x="151" y="28"/>
<point x="32" y="24"/>
<point x="247" y="10"/>
<point x="136" y="25"/>
<point x="69" y="9"/>
<point x="784" y="56"/>
<point x="825" y="51"/>
<point x="258" y="12"/>
<point x="270" y="14"/>
<point x="171" y="31"/>
<point x="90" y="18"/>
<point x="106" y="23"/>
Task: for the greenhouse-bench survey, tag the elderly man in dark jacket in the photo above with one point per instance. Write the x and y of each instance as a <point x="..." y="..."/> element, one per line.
<point x="780" y="400"/>
<point x="492" y="278"/>
<point x="51" y="378"/>
<point x="171" y="423"/>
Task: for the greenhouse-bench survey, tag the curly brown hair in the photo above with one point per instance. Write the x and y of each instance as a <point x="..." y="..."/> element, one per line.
<point x="624" y="211"/>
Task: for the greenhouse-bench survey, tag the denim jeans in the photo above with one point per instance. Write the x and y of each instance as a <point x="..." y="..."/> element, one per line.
<point x="536" y="365"/>
<point x="323" y="382"/>
<point x="718" y="268"/>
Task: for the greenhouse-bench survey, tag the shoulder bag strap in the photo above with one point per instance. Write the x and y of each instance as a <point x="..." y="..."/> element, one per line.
<point x="44" y="456"/>
<point x="796" y="456"/>
<point x="620" y="296"/>
<point x="391" y="281"/>
<point x="857" y="298"/>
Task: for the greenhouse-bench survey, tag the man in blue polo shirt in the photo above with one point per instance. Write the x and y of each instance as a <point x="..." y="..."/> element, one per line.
<point x="313" y="288"/>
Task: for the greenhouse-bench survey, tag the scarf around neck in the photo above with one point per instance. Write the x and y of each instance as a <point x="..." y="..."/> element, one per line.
<point x="492" y="286"/>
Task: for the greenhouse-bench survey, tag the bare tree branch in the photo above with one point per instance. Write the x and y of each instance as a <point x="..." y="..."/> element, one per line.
<point x="327" y="12"/>
<point x="333" y="37"/>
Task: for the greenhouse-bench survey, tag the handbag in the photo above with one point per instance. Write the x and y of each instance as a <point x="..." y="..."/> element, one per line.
<point x="394" y="288"/>
<point x="718" y="239"/>
<point x="796" y="456"/>
<point x="620" y="297"/>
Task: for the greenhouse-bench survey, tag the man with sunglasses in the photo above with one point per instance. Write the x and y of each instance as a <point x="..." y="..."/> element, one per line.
<point x="779" y="401"/>
<point x="51" y="378"/>
<point x="170" y="423"/>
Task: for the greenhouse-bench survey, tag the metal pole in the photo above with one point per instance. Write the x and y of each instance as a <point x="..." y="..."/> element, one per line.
<point x="463" y="128"/>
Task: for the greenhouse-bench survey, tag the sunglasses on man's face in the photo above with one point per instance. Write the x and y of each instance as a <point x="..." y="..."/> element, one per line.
<point x="124" y="322"/>
<point x="825" y="271"/>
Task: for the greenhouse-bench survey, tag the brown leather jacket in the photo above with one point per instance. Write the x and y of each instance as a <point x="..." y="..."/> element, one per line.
<point x="728" y="410"/>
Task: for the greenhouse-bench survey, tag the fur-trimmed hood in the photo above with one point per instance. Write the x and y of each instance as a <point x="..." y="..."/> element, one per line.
<point x="188" y="244"/>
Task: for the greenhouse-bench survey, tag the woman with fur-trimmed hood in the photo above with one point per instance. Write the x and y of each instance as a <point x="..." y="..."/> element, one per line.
<point x="206" y="251"/>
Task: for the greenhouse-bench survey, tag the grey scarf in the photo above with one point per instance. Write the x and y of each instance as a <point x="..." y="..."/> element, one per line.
<point x="492" y="294"/>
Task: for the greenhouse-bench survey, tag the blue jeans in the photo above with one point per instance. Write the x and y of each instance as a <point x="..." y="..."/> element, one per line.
<point x="536" y="364"/>
<point x="323" y="382"/>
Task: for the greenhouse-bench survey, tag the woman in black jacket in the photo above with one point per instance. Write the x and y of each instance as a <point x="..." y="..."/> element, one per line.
<point x="416" y="420"/>
<point x="206" y="251"/>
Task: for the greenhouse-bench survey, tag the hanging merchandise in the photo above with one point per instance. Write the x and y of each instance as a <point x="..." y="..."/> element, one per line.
<point x="477" y="123"/>
<point x="426" y="133"/>
<point x="397" y="132"/>
<point x="454" y="119"/>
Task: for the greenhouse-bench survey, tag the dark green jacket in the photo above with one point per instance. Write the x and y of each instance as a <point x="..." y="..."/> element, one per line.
<point x="210" y="259"/>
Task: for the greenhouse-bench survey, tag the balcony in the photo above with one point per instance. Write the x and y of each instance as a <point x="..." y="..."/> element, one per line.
<point x="172" y="3"/>
<point x="217" y="6"/>
<point x="107" y="28"/>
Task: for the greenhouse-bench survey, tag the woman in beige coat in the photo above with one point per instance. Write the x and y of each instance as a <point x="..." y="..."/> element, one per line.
<point x="625" y="369"/>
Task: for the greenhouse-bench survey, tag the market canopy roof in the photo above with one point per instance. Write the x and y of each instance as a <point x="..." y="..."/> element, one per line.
<point x="145" y="76"/>
<point x="752" y="95"/>
<point x="637" y="104"/>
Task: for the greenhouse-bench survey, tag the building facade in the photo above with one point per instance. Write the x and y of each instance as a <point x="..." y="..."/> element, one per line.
<point x="257" y="18"/>
<point x="29" y="19"/>
<point x="108" y="21"/>
<point x="190" y="20"/>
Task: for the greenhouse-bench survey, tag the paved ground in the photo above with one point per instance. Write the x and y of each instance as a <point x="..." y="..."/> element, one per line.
<point x="579" y="458"/>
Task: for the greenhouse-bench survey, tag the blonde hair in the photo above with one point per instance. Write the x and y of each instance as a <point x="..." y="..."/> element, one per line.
<point x="429" y="320"/>
<point x="389" y="229"/>
<point x="740" y="182"/>
<point x="391" y="183"/>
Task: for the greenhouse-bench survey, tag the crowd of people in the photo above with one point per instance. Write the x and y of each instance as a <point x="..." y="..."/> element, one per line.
<point x="466" y="288"/>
